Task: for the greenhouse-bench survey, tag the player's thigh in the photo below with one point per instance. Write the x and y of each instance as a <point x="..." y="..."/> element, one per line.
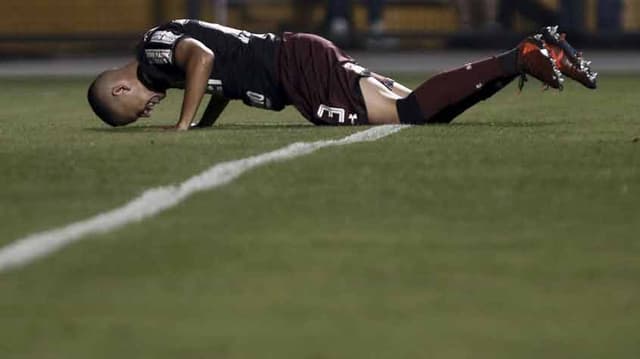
<point x="379" y="101"/>
<point x="393" y="85"/>
<point x="401" y="90"/>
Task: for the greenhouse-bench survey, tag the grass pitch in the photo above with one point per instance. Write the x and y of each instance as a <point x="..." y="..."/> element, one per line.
<point x="511" y="233"/>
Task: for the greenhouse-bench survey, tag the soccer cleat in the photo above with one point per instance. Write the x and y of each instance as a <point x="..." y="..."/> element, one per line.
<point x="567" y="59"/>
<point x="534" y="59"/>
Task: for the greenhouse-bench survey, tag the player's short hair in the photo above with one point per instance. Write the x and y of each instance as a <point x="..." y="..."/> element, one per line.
<point x="98" y="104"/>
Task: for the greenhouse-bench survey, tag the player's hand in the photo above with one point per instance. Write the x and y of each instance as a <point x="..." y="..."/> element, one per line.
<point x="183" y="124"/>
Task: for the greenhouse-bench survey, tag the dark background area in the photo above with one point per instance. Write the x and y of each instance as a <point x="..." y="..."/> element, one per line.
<point x="35" y="28"/>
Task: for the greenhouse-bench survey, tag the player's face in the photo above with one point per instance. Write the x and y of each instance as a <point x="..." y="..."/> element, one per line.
<point x="136" y="101"/>
<point x="147" y="101"/>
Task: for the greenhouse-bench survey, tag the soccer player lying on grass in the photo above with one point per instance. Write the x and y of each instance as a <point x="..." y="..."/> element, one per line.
<point x="309" y="72"/>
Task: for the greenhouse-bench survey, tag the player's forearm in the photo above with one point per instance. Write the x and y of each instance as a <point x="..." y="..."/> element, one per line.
<point x="197" y="71"/>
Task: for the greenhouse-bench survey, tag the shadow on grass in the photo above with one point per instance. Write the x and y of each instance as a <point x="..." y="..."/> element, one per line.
<point x="224" y="127"/>
<point x="500" y="124"/>
<point x="303" y="126"/>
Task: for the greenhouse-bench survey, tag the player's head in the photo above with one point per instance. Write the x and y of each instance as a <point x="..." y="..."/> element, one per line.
<point x="119" y="98"/>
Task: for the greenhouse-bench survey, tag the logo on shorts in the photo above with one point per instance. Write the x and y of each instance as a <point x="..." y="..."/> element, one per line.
<point x="331" y="112"/>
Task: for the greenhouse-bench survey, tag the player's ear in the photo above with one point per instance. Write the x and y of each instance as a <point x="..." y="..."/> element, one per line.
<point x="120" y="89"/>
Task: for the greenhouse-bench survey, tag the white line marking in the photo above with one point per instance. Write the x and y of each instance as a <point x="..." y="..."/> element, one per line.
<point x="153" y="201"/>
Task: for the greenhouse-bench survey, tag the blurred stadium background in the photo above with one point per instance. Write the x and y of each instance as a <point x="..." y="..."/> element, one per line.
<point x="86" y="27"/>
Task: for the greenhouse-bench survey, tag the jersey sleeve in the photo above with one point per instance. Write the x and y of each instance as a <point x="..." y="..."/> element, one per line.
<point x="159" y="46"/>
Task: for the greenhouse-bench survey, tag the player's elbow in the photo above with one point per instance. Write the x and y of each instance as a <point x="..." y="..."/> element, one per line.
<point x="207" y="56"/>
<point x="200" y="65"/>
<point x="204" y="59"/>
<point x="192" y="55"/>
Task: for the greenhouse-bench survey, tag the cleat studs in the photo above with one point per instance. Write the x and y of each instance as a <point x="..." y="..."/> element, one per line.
<point x="552" y="32"/>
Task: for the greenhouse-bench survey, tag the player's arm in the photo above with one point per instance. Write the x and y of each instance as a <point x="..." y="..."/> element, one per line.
<point x="216" y="105"/>
<point x="196" y="60"/>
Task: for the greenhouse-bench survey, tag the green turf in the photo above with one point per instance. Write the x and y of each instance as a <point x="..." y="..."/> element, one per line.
<point x="512" y="233"/>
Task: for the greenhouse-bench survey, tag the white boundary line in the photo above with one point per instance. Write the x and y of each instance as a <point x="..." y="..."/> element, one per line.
<point x="153" y="201"/>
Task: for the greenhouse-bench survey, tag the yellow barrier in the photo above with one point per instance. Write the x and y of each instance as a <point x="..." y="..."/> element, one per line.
<point x="26" y="17"/>
<point x="40" y="17"/>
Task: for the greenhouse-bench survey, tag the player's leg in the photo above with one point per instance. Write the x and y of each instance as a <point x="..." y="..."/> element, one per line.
<point x="395" y="87"/>
<point x="454" y="88"/>
<point x="379" y="101"/>
<point x="441" y="98"/>
<point x="401" y="90"/>
<point x="448" y="94"/>
<point x="448" y="113"/>
<point x="445" y="96"/>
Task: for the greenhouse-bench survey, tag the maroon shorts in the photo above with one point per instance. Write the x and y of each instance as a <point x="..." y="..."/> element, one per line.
<point x="321" y="81"/>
